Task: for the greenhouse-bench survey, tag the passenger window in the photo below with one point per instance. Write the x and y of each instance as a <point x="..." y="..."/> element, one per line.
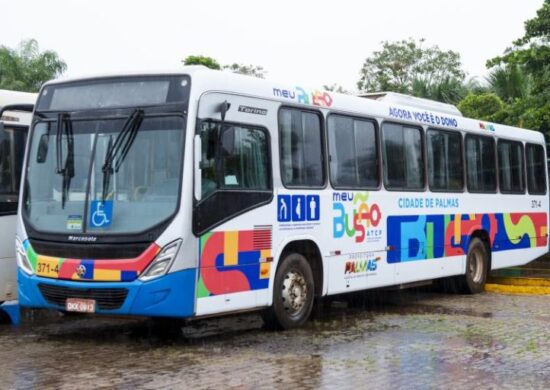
<point x="236" y="159"/>
<point x="445" y="172"/>
<point x="480" y="164"/>
<point x="536" y="173"/>
<point x="403" y="160"/>
<point x="510" y="167"/>
<point x="301" y="148"/>
<point x="353" y="152"/>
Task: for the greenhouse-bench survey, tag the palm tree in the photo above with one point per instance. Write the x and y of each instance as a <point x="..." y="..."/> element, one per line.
<point x="510" y="82"/>
<point x="449" y="90"/>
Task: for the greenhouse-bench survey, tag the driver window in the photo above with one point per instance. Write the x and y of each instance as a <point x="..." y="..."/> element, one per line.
<point x="236" y="159"/>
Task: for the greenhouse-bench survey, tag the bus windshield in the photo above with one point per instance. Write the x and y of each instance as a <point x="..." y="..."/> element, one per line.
<point x="76" y="183"/>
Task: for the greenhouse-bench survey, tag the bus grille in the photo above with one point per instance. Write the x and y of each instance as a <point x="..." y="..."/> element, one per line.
<point x="106" y="298"/>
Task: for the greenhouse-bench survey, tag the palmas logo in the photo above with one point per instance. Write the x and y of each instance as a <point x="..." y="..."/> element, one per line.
<point x="361" y="266"/>
<point x="362" y="220"/>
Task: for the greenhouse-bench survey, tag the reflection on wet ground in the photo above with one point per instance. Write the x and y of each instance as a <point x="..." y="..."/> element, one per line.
<point x="406" y="339"/>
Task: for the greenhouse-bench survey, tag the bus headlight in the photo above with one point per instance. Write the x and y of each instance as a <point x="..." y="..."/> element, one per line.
<point x="162" y="263"/>
<point x="22" y="259"/>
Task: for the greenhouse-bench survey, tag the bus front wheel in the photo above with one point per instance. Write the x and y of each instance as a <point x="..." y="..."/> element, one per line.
<point x="477" y="263"/>
<point x="293" y="292"/>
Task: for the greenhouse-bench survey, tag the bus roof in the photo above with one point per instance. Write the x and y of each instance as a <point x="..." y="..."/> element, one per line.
<point x="437" y="115"/>
<point x="8" y="97"/>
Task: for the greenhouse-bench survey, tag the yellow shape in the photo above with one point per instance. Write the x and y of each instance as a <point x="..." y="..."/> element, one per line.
<point x="265" y="253"/>
<point x="519" y="290"/>
<point x="107" y="275"/>
<point x="457" y="228"/>
<point x="543" y="231"/>
<point x="47" y="266"/>
<point x="265" y="268"/>
<point x="231" y="248"/>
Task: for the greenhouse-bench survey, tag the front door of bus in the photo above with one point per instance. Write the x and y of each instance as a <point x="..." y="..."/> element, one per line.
<point x="234" y="201"/>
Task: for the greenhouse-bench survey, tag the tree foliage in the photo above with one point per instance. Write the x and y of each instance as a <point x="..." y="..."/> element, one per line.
<point x="527" y="66"/>
<point x="510" y="82"/>
<point x="485" y="106"/>
<point x="408" y="67"/>
<point x="26" y="68"/>
<point x="209" y="62"/>
<point x="335" y="88"/>
<point x="250" y="70"/>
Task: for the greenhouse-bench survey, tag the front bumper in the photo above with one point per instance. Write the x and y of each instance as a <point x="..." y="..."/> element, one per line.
<point x="171" y="295"/>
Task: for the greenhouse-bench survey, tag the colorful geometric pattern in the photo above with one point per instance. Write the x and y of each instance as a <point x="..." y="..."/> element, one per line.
<point x="234" y="261"/>
<point x="112" y="270"/>
<point x="421" y="237"/>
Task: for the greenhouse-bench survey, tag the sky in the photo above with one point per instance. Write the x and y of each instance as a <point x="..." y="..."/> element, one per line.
<point x="300" y="42"/>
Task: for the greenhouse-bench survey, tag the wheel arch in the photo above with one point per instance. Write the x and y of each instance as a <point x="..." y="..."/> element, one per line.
<point x="308" y="248"/>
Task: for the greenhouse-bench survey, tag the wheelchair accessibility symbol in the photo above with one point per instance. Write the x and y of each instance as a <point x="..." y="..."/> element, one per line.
<point x="101" y="213"/>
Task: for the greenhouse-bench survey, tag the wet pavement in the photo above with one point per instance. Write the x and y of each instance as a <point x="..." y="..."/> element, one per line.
<point x="397" y="340"/>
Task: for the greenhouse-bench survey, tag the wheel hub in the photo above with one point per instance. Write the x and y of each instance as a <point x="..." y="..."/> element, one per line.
<point x="476" y="266"/>
<point x="294" y="292"/>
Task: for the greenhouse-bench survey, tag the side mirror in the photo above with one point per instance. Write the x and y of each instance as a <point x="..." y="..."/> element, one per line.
<point x="42" y="152"/>
<point x="224" y="107"/>
<point x="197" y="171"/>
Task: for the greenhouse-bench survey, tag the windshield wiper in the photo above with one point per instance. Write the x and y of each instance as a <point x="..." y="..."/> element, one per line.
<point x="66" y="169"/>
<point x="117" y="150"/>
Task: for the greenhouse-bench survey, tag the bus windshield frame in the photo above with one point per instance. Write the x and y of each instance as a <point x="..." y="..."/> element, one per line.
<point x="172" y="110"/>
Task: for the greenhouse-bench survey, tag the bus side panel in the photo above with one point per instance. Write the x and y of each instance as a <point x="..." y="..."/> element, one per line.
<point x="356" y="241"/>
<point x="8" y="275"/>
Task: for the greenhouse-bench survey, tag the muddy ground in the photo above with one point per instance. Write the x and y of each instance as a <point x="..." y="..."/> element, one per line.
<point x="397" y="340"/>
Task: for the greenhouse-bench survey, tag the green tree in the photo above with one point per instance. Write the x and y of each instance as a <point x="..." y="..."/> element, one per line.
<point x="408" y="67"/>
<point x="26" y="68"/>
<point x="209" y="62"/>
<point x="250" y="70"/>
<point x="335" y="88"/>
<point x="510" y="82"/>
<point x="485" y="106"/>
<point x="531" y="55"/>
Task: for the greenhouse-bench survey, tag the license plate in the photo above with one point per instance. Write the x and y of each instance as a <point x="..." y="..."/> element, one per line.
<point x="80" y="305"/>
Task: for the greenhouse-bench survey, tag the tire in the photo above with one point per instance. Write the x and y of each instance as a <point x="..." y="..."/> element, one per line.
<point x="477" y="264"/>
<point x="293" y="293"/>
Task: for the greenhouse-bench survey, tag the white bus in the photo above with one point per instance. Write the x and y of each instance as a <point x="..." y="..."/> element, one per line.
<point x="200" y="192"/>
<point x="15" y="115"/>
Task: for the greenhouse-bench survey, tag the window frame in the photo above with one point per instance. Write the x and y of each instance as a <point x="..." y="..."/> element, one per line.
<point x="377" y="147"/>
<point x="475" y="135"/>
<point x="523" y="170"/>
<point x="545" y="165"/>
<point x="462" y="160"/>
<point x="218" y="162"/>
<point x="23" y="129"/>
<point x="324" y="159"/>
<point x="423" y="153"/>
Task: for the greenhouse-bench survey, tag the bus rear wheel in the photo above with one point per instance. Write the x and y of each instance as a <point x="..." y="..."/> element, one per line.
<point x="477" y="263"/>
<point x="293" y="293"/>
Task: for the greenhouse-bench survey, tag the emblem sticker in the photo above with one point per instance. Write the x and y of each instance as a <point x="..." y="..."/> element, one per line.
<point x="101" y="213"/>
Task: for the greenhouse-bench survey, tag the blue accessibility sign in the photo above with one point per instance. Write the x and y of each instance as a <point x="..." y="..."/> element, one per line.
<point x="101" y="213"/>
<point x="298" y="208"/>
